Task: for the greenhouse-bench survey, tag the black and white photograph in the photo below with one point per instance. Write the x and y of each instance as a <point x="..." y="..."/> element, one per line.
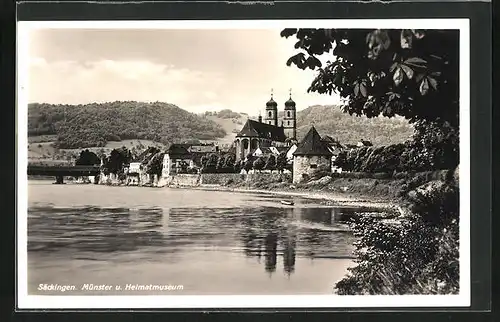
<point x="264" y="163"/>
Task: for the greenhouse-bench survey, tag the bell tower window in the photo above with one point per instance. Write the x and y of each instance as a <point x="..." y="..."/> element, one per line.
<point x="288" y="113"/>
<point x="270" y="114"/>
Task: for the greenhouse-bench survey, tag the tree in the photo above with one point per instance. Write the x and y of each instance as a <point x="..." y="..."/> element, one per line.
<point x="117" y="159"/>
<point x="220" y="164"/>
<point x="259" y="163"/>
<point x="229" y="160"/>
<point x="248" y="165"/>
<point x="238" y="166"/>
<point x="281" y="161"/>
<point x="155" y="165"/>
<point x="270" y="163"/>
<point x="210" y="163"/>
<point x="87" y="158"/>
<point x="412" y="73"/>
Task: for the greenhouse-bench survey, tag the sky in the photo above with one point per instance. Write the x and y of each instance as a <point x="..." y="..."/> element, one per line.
<point x="197" y="70"/>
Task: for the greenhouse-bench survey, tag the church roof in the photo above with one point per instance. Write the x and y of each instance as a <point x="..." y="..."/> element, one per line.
<point x="262" y="130"/>
<point x="178" y="150"/>
<point x="146" y="155"/>
<point x="328" y="139"/>
<point x="312" y="145"/>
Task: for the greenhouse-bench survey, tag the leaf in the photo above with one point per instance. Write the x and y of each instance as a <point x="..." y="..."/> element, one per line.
<point x="406" y="39"/>
<point x="371" y="76"/>
<point x="288" y="32"/>
<point x="370" y="39"/>
<point x="356" y="89"/>
<point x="408" y="71"/>
<point x="419" y="77"/>
<point x="363" y="89"/>
<point x="393" y="67"/>
<point x="398" y="76"/>
<point x="385" y="41"/>
<point x="424" y="86"/>
<point x="419" y="33"/>
<point x="433" y="82"/>
<point x="415" y="61"/>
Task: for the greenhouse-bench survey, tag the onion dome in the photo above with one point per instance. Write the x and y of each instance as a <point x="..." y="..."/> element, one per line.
<point x="290" y="104"/>
<point x="271" y="104"/>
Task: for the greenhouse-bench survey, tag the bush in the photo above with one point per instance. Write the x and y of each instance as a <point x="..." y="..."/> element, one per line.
<point x="419" y="255"/>
<point x="433" y="146"/>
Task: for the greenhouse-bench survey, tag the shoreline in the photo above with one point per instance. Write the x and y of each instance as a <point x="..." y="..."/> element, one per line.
<point x="324" y="197"/>
<point x="328" y="198"/>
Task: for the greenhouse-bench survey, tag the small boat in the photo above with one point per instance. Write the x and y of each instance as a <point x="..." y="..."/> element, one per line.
<point x="285" y="202"/>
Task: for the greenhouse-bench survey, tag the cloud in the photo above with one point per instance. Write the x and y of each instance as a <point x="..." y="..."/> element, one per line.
<point x="70" y="82"/>
<point x="233" y="69"/>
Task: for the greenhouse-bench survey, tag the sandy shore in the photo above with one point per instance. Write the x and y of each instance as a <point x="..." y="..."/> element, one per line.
<point x="326" y="198"/>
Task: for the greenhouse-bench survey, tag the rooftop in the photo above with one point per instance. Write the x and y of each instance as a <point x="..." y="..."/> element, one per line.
<point x="312" y="144"/>
<point x="262" y="130"/>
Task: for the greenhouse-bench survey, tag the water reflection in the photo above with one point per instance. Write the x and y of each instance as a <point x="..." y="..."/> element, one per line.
<point x="272" y="236"/>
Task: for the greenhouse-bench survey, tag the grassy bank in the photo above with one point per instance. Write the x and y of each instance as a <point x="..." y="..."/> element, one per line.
<point x="379" y="191"/>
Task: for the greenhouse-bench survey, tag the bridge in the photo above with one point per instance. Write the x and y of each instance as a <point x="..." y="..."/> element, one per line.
<point x="61" y="171"/>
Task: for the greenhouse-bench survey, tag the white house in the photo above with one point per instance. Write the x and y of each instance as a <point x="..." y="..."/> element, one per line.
<point x="291" y="150"/>
<point x="175" y="157"/>
<point x="134" y="167"/>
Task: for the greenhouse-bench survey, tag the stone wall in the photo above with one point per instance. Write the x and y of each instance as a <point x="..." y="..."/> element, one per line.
<point x="221" y="178"/>
<point x="302" y="169"/>
<point x="264" y="175"/>
<point x="190" y="180"/>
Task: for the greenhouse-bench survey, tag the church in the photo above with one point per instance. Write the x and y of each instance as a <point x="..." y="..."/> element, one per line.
<point x="266" y="133"/>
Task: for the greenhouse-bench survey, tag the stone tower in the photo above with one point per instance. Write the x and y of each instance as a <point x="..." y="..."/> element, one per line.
<point x="271" y="112"/>
<point x="290" y="119"/>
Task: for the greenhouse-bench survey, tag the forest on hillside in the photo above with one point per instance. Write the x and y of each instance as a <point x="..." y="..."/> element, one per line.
<point x="330" y="120"/>
<point x="93" y="125"/>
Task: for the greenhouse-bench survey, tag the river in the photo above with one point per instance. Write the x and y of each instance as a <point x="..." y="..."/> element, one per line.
<point x="209" y="242"/>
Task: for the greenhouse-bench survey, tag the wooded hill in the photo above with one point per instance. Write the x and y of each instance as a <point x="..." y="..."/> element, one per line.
<point x="93" y="125"/>
<point x="330" y="120"/>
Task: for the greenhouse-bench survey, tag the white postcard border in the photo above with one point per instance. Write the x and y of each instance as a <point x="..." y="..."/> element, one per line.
<point x="26" y="301"/>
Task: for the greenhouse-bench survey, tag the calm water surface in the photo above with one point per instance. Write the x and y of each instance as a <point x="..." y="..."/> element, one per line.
<point x="207" y="241"/>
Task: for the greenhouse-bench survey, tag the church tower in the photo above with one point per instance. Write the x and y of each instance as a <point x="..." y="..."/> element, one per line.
<point x="290" y="119"/>
<point x="271" y="112"/>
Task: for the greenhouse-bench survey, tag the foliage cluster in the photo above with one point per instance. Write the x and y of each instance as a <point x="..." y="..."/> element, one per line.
<point x="265" y="162"/>
<point x="389" y="72"/>
<point x="116" y="161"/>
<point x="81" y="126"/>
<point x="418" y="255"/>
<point x="219" y="163"/>
<point x="227" y="114"/>
<point x="432" y="147"/>
<point x="154" y="165"/>
<point x="87" y="157"/>
<point x="413" y="74"/>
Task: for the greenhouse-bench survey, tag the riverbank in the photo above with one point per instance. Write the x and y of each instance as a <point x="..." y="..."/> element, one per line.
<point x="354" y="193"/>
